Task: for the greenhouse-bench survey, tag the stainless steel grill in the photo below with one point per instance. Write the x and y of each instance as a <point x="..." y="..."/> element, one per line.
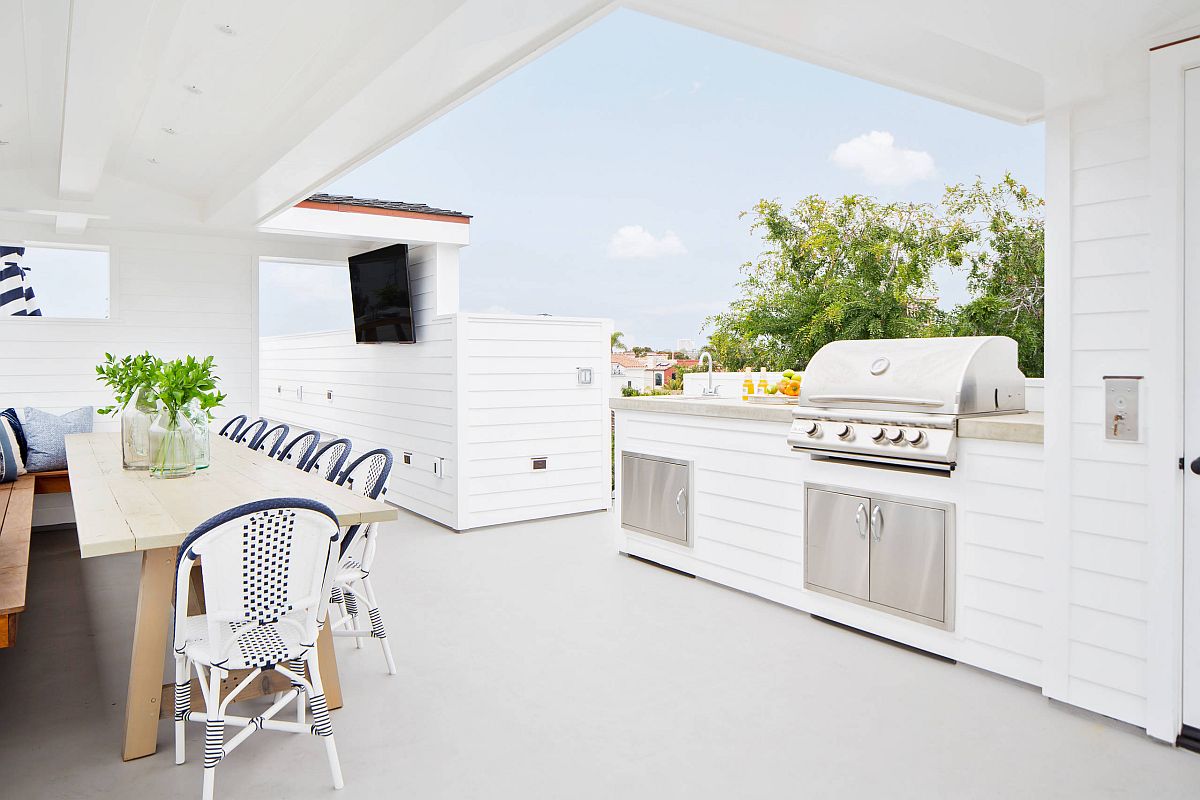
<point x="898" y="401"/>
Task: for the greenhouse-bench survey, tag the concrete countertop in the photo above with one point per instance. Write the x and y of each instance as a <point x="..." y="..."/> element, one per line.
<point x="1025" y="428"/>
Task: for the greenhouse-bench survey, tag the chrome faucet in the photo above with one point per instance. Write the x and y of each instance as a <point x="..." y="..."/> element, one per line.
<point x="709" y="390"/>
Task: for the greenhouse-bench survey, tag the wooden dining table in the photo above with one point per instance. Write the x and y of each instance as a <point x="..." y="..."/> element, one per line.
<point x="123" y="511"/>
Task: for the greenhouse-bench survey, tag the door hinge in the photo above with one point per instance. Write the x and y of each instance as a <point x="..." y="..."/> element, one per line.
<point x="1181" y="462"/>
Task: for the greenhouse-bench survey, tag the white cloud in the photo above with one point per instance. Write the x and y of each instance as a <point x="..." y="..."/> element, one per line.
<point x="877" y="157"/>
<point x="634" y="241"/>
<point x="696" y="86"/>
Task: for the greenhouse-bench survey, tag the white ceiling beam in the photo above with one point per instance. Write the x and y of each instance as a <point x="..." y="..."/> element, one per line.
<point x="107" y="44"/>
<point x="475" y="45"/>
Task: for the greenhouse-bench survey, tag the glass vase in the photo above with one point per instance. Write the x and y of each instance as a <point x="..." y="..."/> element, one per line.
<point x="199" y="419"/>
<point x="136" y="419"/>
<point x="172" y="446"/>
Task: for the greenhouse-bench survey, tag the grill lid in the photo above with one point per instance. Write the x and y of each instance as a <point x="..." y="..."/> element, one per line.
<point x="952" y="375"/>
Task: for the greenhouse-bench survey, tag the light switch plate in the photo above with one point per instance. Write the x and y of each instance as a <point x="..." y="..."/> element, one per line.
<point x="1121" y="395"/>
<point x="583" y="375"/>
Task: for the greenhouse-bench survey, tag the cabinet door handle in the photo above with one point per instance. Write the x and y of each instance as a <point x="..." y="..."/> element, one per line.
<point x="876" y="523"/>
<point x="679" y="502"/>
<point x="860" y="519"/>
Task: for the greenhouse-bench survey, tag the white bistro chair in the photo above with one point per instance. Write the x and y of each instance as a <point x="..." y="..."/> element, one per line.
<point x="233" y="427"/>
<point x="300" y="450"/>
<point x="268" y="569"/>
<point x="328" y="461"/>
<point x="367" y="476"/>
<point x="251" y="433"/>
<point x="270" y="441"/>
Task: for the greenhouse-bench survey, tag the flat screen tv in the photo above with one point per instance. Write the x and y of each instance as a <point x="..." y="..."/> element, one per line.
<point x="381" y="295"/>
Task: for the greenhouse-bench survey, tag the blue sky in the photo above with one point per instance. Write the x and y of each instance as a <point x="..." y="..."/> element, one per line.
<point x="606" y="177"/>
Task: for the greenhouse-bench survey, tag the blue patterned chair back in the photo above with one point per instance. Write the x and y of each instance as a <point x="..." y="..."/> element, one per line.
<point x="231" y="429"/>
<point x="300" y="450"/>
<point x="329" y="459"/>
<point x="368" y="476"/>
<point x="250" y="434"/>
<point x="269" y="442"/>
<point x="267" y="563"/>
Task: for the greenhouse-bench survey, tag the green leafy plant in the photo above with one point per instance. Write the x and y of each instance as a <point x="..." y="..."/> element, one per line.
<point x="127" y="378"/>
<point x="171" y="384"/>
<point x="176" y="383"/>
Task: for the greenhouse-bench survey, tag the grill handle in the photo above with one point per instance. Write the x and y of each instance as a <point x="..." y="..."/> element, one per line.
<point x="871" y="398"/>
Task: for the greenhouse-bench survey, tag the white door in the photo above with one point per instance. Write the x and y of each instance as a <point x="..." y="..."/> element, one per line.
<point x="1191" y="346"/>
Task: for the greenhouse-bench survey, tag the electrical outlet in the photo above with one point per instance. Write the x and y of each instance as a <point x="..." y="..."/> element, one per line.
<point x="1121" y="394"/>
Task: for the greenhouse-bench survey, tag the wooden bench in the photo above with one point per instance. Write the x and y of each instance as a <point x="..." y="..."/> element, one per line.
<point x="16" y="524"/>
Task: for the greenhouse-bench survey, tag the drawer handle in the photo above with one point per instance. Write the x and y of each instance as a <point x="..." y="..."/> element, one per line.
<point x="679" y="501"/>
<point x="876" y="523"/>
<point x="860" y="519"/>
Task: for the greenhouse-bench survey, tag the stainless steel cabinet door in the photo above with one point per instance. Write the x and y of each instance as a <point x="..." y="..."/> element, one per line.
<point x="836" y="546"/>
<point x="908" y="558"/>
<point x="654" y="496"/>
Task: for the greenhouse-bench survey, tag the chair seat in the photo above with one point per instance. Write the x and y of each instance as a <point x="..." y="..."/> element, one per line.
<point x="263" y="646"/>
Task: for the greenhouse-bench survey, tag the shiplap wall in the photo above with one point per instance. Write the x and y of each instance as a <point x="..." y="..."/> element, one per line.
<point x="522" y="400"/>
<point x="402" y="397"/>
<point x="482" y="393"/>
<point x="748" y="506"/>
<point x="1106" y="581"/>
<point x="171" y="294"/>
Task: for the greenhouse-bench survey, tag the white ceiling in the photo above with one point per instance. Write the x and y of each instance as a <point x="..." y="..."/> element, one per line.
<point x="224" y="112"/>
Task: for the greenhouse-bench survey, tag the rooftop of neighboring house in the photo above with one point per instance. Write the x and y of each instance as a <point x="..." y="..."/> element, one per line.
<point x="628" y="360"/>
<point x="653" y="361"/>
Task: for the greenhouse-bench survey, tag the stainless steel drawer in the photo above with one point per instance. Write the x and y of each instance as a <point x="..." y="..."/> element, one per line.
<point x="655" y="495"/>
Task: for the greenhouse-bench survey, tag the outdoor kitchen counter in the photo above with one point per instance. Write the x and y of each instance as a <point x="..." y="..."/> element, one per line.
<point x="1026" y="428"/>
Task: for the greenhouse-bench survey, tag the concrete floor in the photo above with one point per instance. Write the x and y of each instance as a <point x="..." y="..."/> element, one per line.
<point x="534" y="662"/>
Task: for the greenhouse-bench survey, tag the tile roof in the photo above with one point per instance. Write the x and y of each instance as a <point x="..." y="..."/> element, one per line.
<point x="390" y="205"/>
<point x="627" y="360"/>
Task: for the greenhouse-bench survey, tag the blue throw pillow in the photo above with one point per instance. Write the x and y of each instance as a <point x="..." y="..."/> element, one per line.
<point x="8" y="457"/>
<point x="46" y="435"/>
<point x="14" y="422"/>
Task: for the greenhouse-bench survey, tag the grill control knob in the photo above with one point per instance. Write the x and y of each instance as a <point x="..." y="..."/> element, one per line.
<point x="896" y="436"/>
<point x="843" y="431"/>
<point x="877" y="434"/>
<point x="915" y="438"/>
<point x="811" y="428"/>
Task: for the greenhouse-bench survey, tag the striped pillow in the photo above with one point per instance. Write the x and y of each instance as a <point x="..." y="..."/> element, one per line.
<point x="10" y="457"/>
<point x="14" y="422"/>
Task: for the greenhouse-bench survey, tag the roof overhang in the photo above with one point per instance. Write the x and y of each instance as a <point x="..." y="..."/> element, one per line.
<point x="328" y="220"/>
<point x="188" y="114"/>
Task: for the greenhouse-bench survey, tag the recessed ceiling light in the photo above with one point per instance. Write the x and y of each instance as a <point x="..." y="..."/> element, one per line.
<point x="152" y="160"/>
<point x="170" y="131"/>
<point x="227" y="30"/>
<point x="194" y="89"/>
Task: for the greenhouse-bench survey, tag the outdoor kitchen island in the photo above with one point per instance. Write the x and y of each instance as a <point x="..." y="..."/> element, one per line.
<point x="744" y="514"/>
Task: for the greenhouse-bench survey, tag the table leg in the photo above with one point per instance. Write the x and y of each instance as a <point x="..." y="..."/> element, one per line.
<point x="149" y="644"/>
<point x="327" y="659"/>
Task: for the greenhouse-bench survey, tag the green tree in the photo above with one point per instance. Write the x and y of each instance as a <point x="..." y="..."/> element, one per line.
<point x="858" y="268"/>
<point x="1006" y="263"/>
<point x="640" y="351"/>
<point x="616" y="342"/>
<point x="851" y="268"/>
